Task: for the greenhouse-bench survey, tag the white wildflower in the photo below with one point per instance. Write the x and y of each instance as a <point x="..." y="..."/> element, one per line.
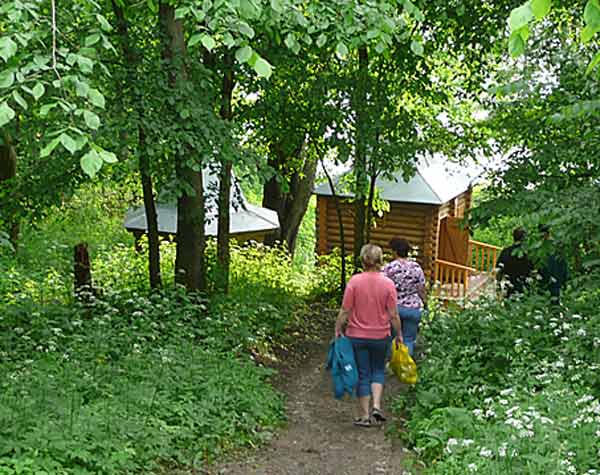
<point x="506" y="392"/>
<point x="504" y="402"/>
<point x="485" y="452"/>
<point x="467" y="442"/>
<point x="581" y="332"/>
<point x="472" y="467"/>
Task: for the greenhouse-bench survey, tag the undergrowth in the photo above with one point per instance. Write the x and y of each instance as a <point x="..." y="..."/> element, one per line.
<point x="509" y="388"/>
<point x="132" y="381"/>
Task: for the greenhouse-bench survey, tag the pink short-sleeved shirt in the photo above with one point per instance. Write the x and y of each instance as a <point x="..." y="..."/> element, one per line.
<point x="368" y="297"/>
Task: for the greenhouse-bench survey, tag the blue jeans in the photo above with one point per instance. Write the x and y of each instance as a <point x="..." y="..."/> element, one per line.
<point x="410" y="318"/>
<point x="370" y="360"/>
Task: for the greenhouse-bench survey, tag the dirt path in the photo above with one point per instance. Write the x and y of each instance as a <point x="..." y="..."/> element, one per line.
<point x="319" y="437"/>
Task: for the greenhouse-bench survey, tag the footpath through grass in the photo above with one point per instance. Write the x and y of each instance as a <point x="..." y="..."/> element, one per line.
<point x="509" y="389"/>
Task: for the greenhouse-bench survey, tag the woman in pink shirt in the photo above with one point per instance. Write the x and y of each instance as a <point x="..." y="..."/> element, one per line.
<point x="368" y="307"/>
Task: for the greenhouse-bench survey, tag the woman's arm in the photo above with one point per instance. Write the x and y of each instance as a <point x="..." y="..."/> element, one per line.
<point x="422" y="294"/>
<point x="341" y="321"/>
<point x="396" y="323"/>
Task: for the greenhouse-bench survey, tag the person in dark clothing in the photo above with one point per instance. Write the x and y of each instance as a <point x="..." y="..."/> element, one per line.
<point x="553" y="271"/>
<point x="514" y="265"/>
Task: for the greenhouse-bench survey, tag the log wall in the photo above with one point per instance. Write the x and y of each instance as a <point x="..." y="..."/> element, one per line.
<point x="410" y="221"/>
<point x="418" y="223"/>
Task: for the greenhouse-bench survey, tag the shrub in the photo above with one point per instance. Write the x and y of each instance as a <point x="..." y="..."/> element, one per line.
<point x="510" y="387"/>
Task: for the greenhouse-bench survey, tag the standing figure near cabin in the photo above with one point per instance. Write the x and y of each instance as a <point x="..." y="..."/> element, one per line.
<point x="553" y="271"/>
<point x="514" y="265"/>
<point x="409" y="280"/>
<point x="368" y="308"/>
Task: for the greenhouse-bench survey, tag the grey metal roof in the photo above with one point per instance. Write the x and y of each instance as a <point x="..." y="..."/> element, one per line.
<point x="432" y="184"/>
<point x="244" y="217"/>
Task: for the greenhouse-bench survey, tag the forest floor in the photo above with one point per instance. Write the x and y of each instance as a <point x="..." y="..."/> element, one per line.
<point x="319" y="437"/>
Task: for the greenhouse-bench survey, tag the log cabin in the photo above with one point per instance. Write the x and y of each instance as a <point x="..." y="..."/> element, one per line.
<point x="428" y="211"/>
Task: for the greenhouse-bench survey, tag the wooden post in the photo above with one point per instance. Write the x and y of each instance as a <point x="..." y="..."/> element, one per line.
<point x="322" y="224"/>
<point x="82" y="270"/>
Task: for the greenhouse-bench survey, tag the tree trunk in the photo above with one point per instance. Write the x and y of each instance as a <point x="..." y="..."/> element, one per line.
<point x="131" y="61"/>
<point x="291" y="206"/>
<point x="370" y="200"/>
<point x="190" y="269"/>
<point x="151" y="215"/>
<point x="8" y="171"/>
<point x="81" y="269"/>
<point x="338" y="210"/>
<point x="223" y="251"/>
<point x="360" y="159"/>
<point x="296" y="202"/>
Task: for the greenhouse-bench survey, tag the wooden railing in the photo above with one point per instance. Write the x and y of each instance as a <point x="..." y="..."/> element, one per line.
<point x="482" y="256"/>
<point x="452" y="280"/>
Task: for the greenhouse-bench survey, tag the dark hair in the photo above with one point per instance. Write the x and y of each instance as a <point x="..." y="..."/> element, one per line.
<point x="543" y="228"/>
<point x="518" y="234"/>
<point x="400" y="246"/>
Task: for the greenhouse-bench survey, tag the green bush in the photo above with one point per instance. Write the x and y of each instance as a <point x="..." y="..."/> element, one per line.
<point x="509" y="388"/>
<point x="126" y="383"/>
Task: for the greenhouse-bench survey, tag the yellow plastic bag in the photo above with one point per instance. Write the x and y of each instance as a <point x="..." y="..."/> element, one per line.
<point x="402" y="364"/>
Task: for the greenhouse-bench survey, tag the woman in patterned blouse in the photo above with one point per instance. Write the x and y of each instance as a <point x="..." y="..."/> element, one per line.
<point x="409" y="280"/>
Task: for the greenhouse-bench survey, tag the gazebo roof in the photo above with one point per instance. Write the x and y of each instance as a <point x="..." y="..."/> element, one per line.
<point x="244" y="217"/>
<point x="431" y="184"/>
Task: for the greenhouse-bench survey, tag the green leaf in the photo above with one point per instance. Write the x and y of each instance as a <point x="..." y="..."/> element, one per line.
<point x="181" y="12"/>
<point x="6" y="114"/>
<point x="7" y="79"/>
<point x="277" y="5"/>
<point x="228" y="40"/>
<point x="587" y="33"/>
<point x="291" y="43"/>
<point x="263" y="68"/>
<point x="82" y="88"/>
<point x="208" y="42"/>
<point x="249" y="9"/>
<point x="591" y="13"/>
<point x="47" y="108"/>
<point x="47" y="150"/>
<point x="68" y="143"/>
<point x="104" y="24"/>
<point x="91" y="119"/>
<point x="91" y="163"/>
<point x="92" y="39"/>
<point x="520" y="17"/>
<point x="373" y="34"/>
<point x="19" y="99"/>
<point x="516" y="45"/>
<point x="321" y="40"/>
<point x="8" y="48"/>
<point x="243" y="54"/>
<point x="417" y="47"/>
<point x="96" y="98"/>
<point x="540" y="8"/>
<point x="246" y="29"/>
<point x="195" y="39"/>
<point x="85" y="64"/>
<point x="593" y="63"/>
<point x="341" y="50"/>
<point x="38" y="91"/>
<point x="108" y="157"/>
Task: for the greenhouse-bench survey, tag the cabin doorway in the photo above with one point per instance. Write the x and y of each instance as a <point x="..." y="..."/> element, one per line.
<point x="454" y="241"/>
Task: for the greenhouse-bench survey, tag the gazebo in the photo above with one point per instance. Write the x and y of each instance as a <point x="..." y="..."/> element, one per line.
<point x="427" y="210"/>
<point x="247" y="221"/>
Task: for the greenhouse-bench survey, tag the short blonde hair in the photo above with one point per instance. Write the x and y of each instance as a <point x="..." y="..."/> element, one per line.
<point x="371" y="256"/>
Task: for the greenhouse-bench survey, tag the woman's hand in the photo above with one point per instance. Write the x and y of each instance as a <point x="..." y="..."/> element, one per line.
<point x="341" y="320"/>
<point x="399" y="340"/>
